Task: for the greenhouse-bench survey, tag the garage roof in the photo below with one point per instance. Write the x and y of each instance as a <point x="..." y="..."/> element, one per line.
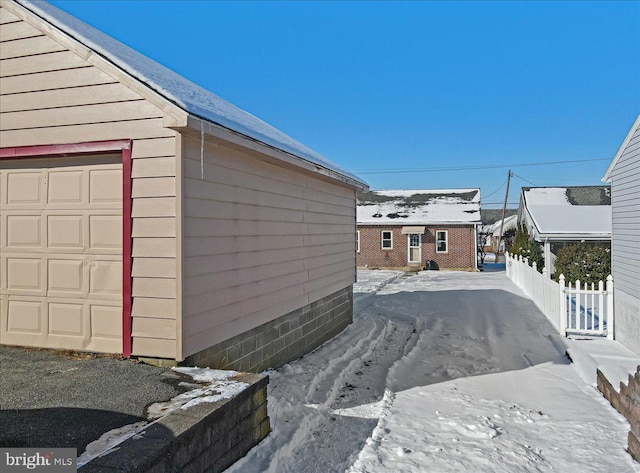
<point x="189" y="96"/>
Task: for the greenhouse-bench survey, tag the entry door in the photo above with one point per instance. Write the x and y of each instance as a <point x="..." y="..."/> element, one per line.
<point x="415" y="248"/>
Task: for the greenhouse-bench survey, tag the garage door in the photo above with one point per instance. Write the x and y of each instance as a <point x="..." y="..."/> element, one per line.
<point x="61" y="253"/>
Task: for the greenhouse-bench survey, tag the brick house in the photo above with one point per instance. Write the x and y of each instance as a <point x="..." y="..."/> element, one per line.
<point x="407" y="229"/>
<point x="142" y="214"/>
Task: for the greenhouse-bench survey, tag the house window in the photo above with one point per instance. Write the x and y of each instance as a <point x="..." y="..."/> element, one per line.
<point x="358" y="241"/>
<point x="442" y="244"/>
<point x="387" y="241"/>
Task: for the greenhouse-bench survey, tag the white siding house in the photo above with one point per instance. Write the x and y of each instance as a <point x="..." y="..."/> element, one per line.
<point x="624" y="176"/>
<point x="558" y="215"/>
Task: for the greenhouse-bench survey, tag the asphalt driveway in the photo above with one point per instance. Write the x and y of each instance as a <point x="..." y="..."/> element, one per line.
<point x="63" y="399"/>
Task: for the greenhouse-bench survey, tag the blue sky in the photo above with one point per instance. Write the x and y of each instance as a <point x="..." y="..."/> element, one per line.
<point x="389" y="88"/>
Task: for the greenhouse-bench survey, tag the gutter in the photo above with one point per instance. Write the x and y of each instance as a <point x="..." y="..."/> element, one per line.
<point x="204" y="126"/>
<point x="401" y="221"/>
<point x="571" y="237"/>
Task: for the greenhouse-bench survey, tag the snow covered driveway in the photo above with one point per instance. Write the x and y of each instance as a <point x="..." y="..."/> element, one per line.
<point x="440" y="372"/>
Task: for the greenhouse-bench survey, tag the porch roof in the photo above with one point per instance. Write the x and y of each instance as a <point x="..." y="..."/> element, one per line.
<point x="569" y="212"/>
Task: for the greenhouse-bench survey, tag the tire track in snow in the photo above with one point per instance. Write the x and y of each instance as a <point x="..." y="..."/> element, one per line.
<point x="318" y="413"/>
<point x="338" y="367"/>
<point x="331" y="399"/>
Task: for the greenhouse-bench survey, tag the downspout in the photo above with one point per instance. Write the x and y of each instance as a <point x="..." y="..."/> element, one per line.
<point x="475" y="239"/>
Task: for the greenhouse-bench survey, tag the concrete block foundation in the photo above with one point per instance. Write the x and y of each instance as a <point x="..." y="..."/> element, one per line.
<point x="282" y="340"/>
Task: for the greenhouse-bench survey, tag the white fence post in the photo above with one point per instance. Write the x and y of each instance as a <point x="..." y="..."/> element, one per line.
<point x="577" y="308"/>
<point x="563" y="307"/>
<point x="610" y="315"/>
<point x="601" y="306"/>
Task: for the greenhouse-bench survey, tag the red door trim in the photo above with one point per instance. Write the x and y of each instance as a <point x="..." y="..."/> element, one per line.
<point x="126" y="252"/>
<point x="40" y="151"/>
<point x="98" y="147"/>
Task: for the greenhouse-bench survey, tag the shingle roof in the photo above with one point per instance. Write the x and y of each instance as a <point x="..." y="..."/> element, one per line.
<point x="189" y="96"/>
<point x="403" y="207"/>
<point x="579" y="211"/>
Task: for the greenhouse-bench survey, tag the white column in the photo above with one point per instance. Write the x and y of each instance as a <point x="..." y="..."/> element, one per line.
<point x="563" y="307"/>
<point x="610" y="309"/>
<point x="547" y="256"/>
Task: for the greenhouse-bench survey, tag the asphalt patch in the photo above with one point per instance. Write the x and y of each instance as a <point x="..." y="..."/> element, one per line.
<point x="54" y="398"/>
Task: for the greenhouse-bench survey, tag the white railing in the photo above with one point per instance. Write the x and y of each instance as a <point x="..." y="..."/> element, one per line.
<point x="571" y="308"/>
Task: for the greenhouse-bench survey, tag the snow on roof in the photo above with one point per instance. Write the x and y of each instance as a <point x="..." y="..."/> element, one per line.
<point x="177" y="89"/>
<point x="510" y="223"/>
<point x="406" y="207"/>
<point x="573" y="211"/>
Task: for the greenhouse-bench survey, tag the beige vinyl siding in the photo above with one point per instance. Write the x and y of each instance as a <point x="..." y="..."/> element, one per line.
<point x="260" y="240"/>
<point x="6" y="17"/>
<point x="18" y="30"/>
<point x="625" y="201"/>
<point x="50" y="94"/>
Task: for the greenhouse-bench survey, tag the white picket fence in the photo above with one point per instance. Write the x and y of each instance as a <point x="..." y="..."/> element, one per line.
<point x="571" y="308"/>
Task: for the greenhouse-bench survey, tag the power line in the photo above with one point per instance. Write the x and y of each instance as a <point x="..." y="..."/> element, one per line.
<point x="520" y="177"/>
<point x="475" y="168"/>
<point x="489" y="195"/>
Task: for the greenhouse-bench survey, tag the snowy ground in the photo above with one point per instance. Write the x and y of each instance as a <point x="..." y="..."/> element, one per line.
<point x="440" y="372"/>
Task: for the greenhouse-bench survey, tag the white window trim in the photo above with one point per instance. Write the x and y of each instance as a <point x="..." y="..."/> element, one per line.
<point x="382" y="239"/>
<point x="358" y="241"/>
<point x="446" y="241"/>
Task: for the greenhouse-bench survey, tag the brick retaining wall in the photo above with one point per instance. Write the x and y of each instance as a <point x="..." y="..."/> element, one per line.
<point x="282" y="340"/>
<point x="627" y="402"/>
<point x="208" y="437"/>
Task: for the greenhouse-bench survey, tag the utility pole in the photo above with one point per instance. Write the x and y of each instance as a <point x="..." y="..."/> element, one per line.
<point x="504" y="209"/>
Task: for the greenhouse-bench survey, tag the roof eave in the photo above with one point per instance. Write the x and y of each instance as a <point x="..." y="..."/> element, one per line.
<point x="616" y="158"/>
<point x="423" y="222"/>
<point x="201" y="125"/>
<point x="175" y="115"/>
<point x="541" y="236"/>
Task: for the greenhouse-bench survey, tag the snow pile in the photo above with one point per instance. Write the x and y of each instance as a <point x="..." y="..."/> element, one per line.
<point x="536" y="419"/>
<point x="219" y="386"/>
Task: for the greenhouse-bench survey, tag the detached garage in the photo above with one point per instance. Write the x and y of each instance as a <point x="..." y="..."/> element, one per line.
<point x="141" y="214"/>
